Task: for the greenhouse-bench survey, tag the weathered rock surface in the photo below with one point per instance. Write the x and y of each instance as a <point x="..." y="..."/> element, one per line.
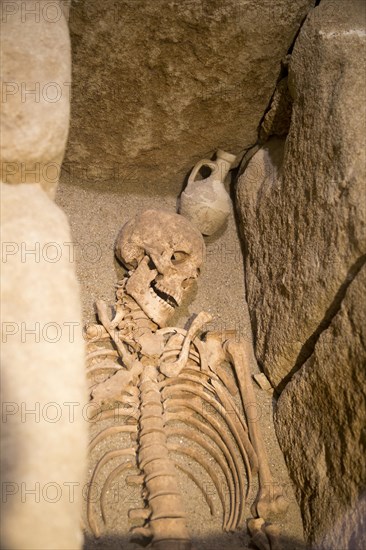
<point x="303" y="209"/>
<point x="44" y="431"/>
<point x="36" y="74"/>
<point x="320" y="423"/>
<point x="303" y="215"/>
<point x="158" y="86"/>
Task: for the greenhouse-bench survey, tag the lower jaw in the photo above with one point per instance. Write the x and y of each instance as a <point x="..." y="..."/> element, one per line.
<point x="153" y="309"/>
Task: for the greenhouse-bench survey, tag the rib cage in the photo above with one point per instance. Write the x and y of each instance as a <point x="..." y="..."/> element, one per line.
<point x="194" y="406"/>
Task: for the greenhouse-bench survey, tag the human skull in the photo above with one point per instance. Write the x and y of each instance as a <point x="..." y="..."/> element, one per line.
<point x="164" y="253"/>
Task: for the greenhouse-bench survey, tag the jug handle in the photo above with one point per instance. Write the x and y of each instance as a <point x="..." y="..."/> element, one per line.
<point x="210" y="163"/>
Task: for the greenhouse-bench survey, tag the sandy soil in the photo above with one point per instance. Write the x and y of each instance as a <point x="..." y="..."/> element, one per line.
<point x="96" y="213"/>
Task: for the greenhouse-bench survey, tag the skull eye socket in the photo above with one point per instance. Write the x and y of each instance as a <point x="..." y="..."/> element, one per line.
<point x="178" y="257"/>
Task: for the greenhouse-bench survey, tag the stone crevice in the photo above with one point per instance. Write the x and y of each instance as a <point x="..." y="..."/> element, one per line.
<point x="309" y="345"/>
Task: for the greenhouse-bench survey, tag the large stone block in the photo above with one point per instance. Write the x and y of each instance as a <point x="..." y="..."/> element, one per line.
<point x="35" y="94"/>
<point x="44" y="428"/>
<point x="320" y="423"/>
<point x="303" y="212"/>
<point x="302" y="202"/>
<point x="159" y="85"/>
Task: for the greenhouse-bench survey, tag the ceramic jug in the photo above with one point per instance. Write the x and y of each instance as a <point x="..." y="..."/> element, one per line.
<point x="205" y="202"/>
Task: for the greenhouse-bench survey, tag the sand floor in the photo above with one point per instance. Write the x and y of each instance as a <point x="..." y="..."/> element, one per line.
<point x="96" y="213"/>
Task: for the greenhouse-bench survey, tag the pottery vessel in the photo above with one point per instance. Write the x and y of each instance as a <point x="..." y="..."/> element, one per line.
<point x="205" y="202"/>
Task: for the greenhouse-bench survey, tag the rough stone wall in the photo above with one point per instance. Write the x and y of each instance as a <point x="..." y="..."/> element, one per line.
<point x="35" y="92"/>
<point x="159" y="85"/>
<point x="43" y="390"/>
<point x="310" y="222"/>
<point x="303" y="213"/>
<point x="320" y="423"/>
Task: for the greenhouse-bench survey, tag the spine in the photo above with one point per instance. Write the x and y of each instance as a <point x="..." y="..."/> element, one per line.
<point x="167" y="519"/>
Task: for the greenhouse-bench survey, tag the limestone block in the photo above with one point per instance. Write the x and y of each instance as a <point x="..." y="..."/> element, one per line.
<point x="320" y="423"/>
<point x="43" y="389"/>
<point x="36" y="87"/>
<point x="159" y="86"/>
<point x="301" y="202"/>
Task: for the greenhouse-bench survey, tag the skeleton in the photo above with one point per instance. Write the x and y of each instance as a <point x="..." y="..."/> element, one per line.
<point x="161" y="382"/>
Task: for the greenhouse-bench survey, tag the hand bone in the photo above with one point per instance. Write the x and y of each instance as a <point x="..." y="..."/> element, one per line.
<point x="264" y="536"/>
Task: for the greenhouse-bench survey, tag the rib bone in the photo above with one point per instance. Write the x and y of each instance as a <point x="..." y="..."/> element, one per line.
<point x="197" y="482"/>
<point x="234" y="498"/>
<point x="192" y="453"/>
<point x="105" y="458"/>
<point x="111" y="430"/>
<point x="226" y="447"/>
<point x="114" y="473"/>
<point x="240" y="435"/>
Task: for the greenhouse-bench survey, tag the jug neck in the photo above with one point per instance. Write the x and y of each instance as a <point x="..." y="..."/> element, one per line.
<point x="223" y="167"/>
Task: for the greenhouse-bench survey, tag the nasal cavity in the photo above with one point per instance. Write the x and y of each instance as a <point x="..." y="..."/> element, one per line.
<point x="151" y="264"/>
